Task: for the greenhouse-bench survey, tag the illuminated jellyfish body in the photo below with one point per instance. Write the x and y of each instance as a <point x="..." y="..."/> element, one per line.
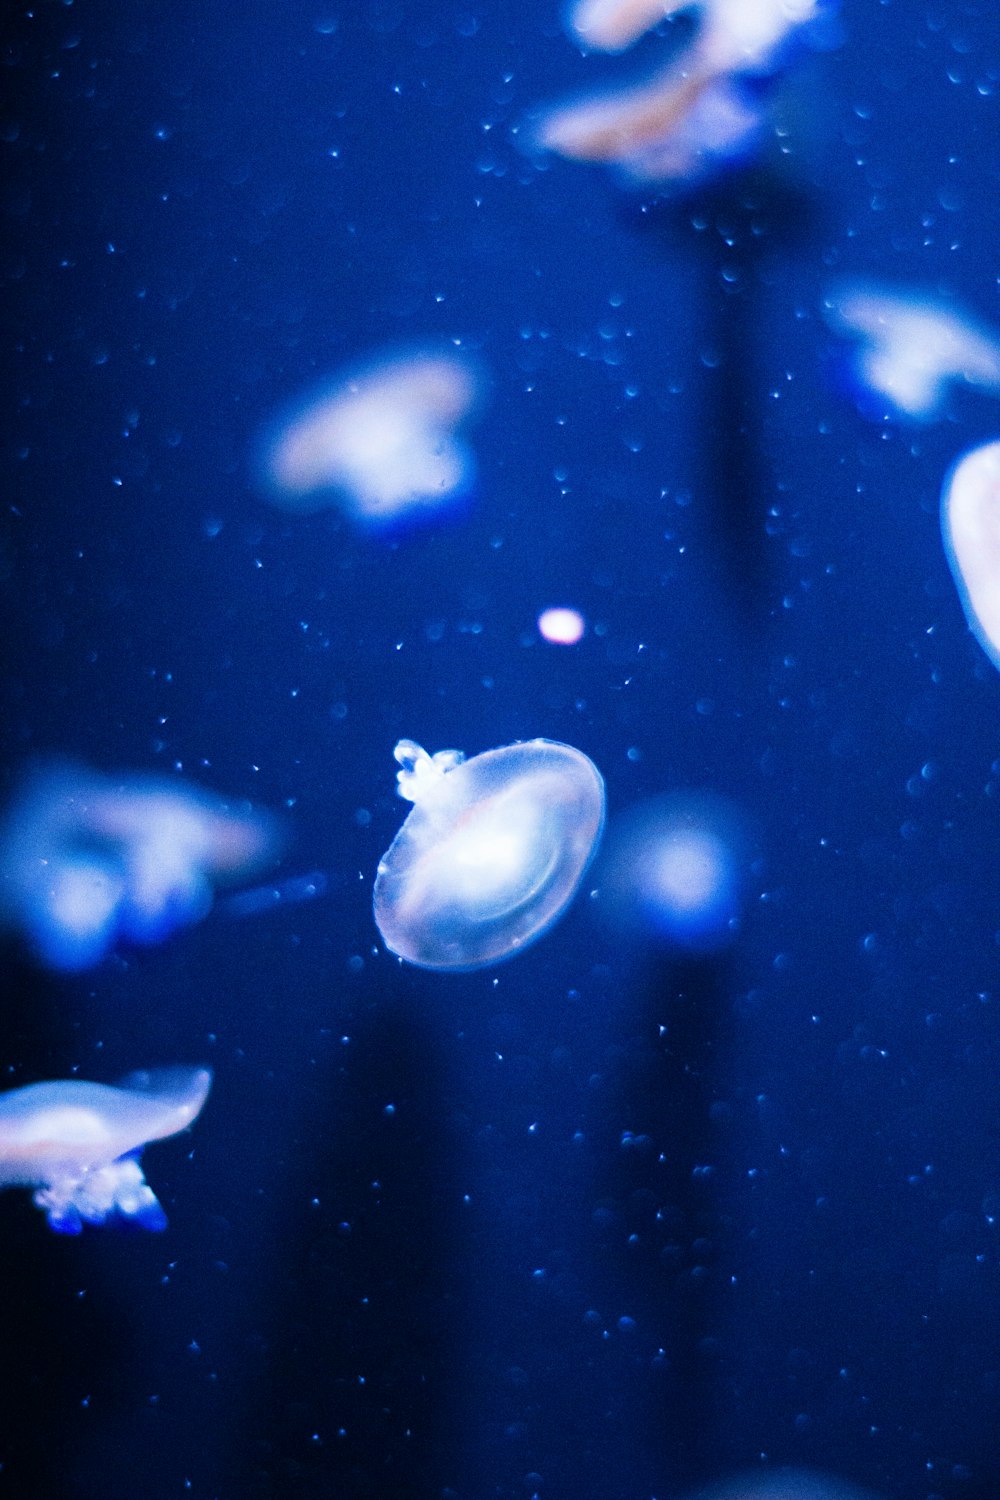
<point x="87" y="861"/>
<point x="382" y="440"/>
<point x="706" y="109"/>
<point x="492" y="852"/>
<point x="970" y="525"/>
<point x="911" y="350"/>
<point x="78" y="1144"/>
<point x="673" y="872"/>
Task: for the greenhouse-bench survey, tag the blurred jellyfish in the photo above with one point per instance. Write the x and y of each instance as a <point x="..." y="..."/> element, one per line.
<point x="673" y="127"/>
<point x="785" y="1484"/>
<point x="732" y="33"/>
<point x="78" y="1144"/>
<point x="673" y="871"/>
<point x="706" y="108"/>
<point x="87" y="861"/>
<point x="911" y="348"/>
<point x="970" y="525"/>
<point x="382" y="440"/>
<point x="492" y="852"/>
<point x="561" y="627"/>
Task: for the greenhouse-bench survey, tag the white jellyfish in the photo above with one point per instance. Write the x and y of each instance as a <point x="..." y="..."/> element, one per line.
<point x="382" y="439"/>
<point x="970" y="525"/>
<point x="78" y="1144"/>
<point x="86" y="861"/>
<point x="492" y="852"/>
<point x="703" y="109"/>
<point x="735" y="33"/>
<point x="912" y="348"/>
<point x="673" y="871"/>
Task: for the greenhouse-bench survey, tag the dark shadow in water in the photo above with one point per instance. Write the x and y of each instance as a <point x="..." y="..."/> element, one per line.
<point x="724" y="236"/>
<point x="358" y="1318"/>
<point x="63" y="1338"/>
<point x="663" y="1259"/>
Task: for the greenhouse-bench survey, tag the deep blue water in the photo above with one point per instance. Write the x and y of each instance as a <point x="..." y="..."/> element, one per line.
<point x="485" y="1292"/>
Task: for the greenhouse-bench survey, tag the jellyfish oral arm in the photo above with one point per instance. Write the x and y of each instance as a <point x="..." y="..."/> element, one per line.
<point x="94" y="1195"/>
<point x="419" y="772"/>
<point x="77" y="1144"/>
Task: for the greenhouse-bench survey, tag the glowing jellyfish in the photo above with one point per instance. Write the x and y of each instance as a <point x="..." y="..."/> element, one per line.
<point x="382" y="439"/>
<point x="970" y="524"/>
<point x="704" y="109"/>
<point x="491" y="853"/>
<point x="912" y="348"/>
<point x="78" y="1144"/>
<point x="673" y="870"/>
<point x="613" y="25"/>
<point x="87" y="861"/>
<point x="671" y="128"/>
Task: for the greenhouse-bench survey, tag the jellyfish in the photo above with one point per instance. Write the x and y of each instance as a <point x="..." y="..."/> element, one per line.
<point x="87" y="861"/>
<point x="673" y="872"/>
<point x="734" y="31"/>
<point x="970" y="525"/>
<point x="382" y="439"/>
<point x="704" y="109"/>
<point x="491" y="853"/>
<point x="670" y="128"/>
<point x="78" y="1144"/>
<point x="912" y="348"/>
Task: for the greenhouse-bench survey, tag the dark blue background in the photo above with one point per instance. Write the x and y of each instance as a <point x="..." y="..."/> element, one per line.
<point x="488" y="1291"/>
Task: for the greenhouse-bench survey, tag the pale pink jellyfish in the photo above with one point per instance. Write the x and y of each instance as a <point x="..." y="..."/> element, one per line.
<point x="697" y="109"/>
<point x="490" y="855"/>
<point x="732" y="34"/>
<point x="383" y="439"/>
<point x="78" y="1144"/>
<point x="970" y="525"/>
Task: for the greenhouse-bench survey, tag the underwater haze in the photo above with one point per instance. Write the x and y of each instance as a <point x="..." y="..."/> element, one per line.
<point x="390" y="378"/>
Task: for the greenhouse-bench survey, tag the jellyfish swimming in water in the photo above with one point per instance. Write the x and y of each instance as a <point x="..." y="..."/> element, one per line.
<point x="383" y="440"/>
<point x="911" y="350"/>
<point x="88" y="861"/>
<point x="491" y="853"/>
<point x="705" y="109"/>
<point x="673" y="871"/>
<point x="970" y="526"/>
<point x="78" y="1144"/>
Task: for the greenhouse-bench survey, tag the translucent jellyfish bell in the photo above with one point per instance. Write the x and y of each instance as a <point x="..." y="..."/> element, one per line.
<point x="970" y="525"/>
<point x="492" y="852"/>
<point x="78" y="1143"/>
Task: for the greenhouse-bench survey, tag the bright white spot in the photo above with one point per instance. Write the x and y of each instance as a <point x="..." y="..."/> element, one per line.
<point x="563" y="627"/>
